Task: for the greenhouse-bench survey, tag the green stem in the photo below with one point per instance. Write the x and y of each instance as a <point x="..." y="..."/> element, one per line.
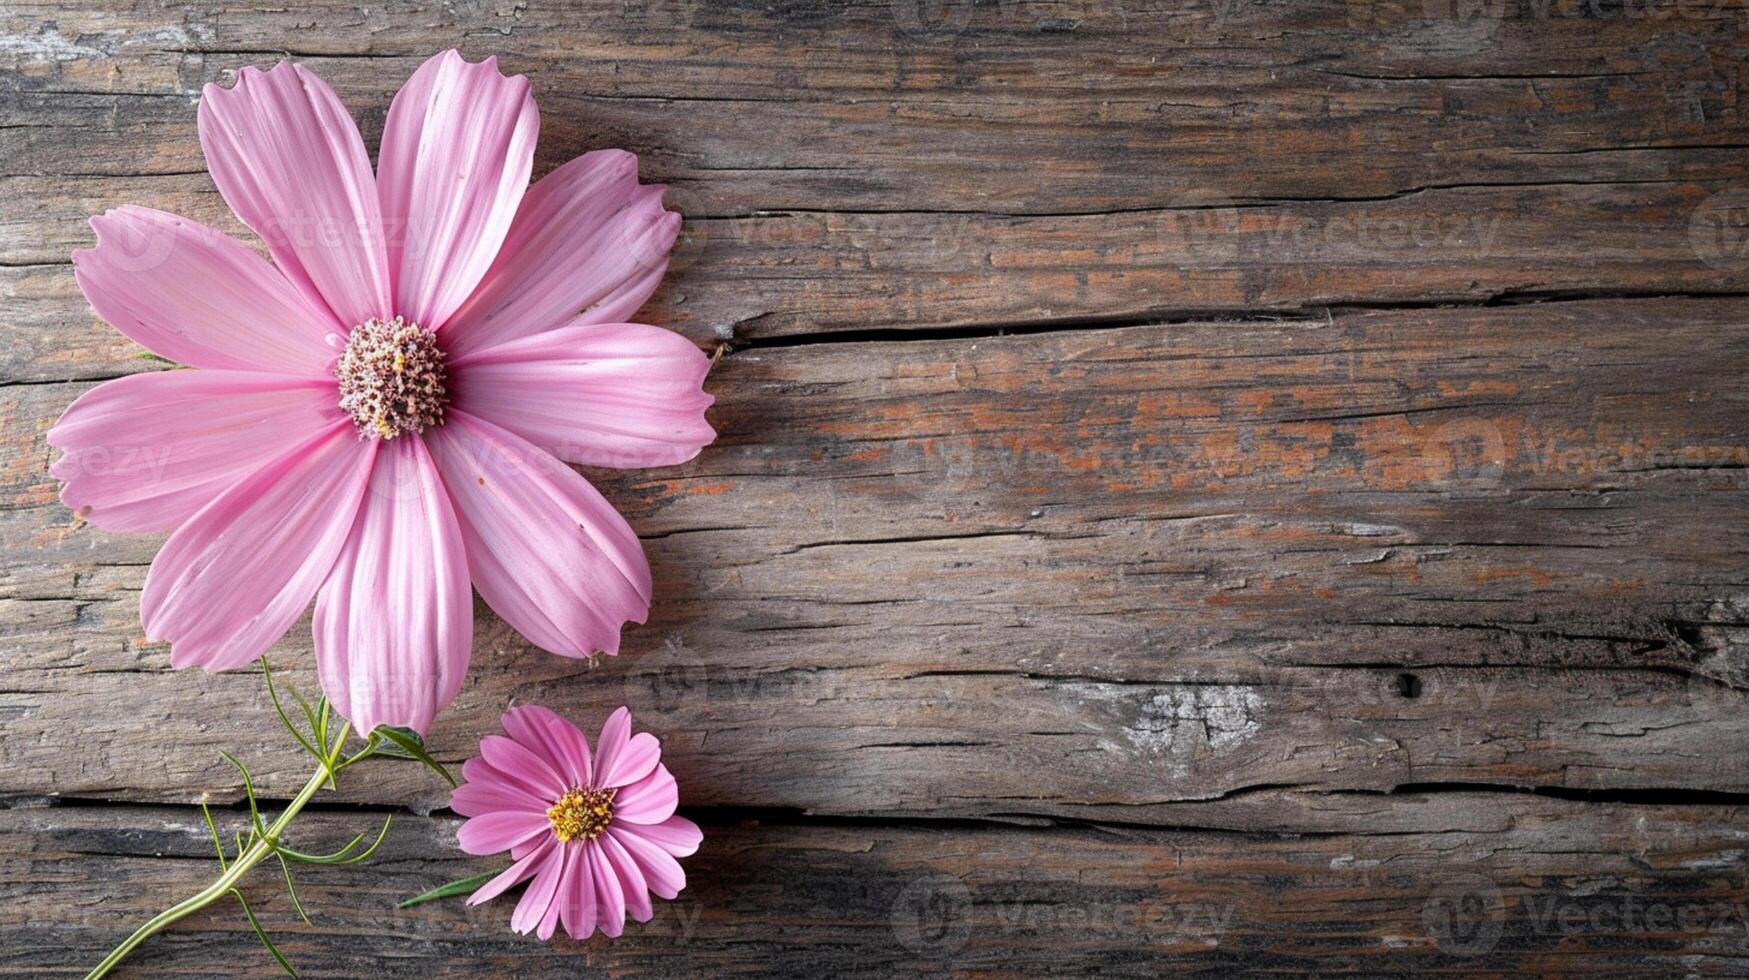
<point x="260" y="851"/>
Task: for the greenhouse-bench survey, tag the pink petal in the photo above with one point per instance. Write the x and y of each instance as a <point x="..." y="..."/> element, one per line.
<point x="610" y="900"/>
<point x="676" y="835"/>
<point x="471" y="799"/>
<point x="650" y="800"/>
<point x="514" y="874"/>
<point x="549" y="922"/>
<point x="195" y="295"/>
<point x="562" y="902"/>
<point x="660" y="870"/>
<point x="456" y="154"/>
<point x="631" y="880"/>
<point x="608" y="394"/>
<point x="510" y="756"/>
<point x="633" y="763"/>
<point x="574" y="747"/>
<point x="145" y="452"/>
<point x="234" y="578"/>
<point x="545" y="550"/>
<point x="579" y="898"/>
<point x="500" y="830"/>
<point x="587" y="237"/>
<point x="478" y="770"/>
<point x="615" y="732"/>
<point x="395" y="620"/>
<point x="527" y="727"/>
<point x="553" y="738"/>
<point x="620" y="760"/>
<point x="538" y="899"/>
<point x="288" y="159"/>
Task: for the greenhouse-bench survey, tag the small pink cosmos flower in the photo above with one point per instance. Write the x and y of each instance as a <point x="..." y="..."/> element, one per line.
<point x="597" y="835"/>
<point x="379" y="415"/>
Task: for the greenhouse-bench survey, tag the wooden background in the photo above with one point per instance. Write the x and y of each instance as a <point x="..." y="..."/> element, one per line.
<point x="1204" y="485"/>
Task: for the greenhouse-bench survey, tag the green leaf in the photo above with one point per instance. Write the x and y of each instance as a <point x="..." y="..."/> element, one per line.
<point x="338" y="857"/>
<point x="399" y="736"/>
<point x="310" y="716"/>
<point x="215" y="832"/>
<point x="454" y="888"/>
<point x="147" y="355"/>
<point x="285" y="720"/>
<point x="341" y="856"/>
<point x="292" y="889"/>
<point x="261" y="933"/>
<point x="249" y="791"/>
<point x="371" y="744"/>
<point x="405" y="743"/>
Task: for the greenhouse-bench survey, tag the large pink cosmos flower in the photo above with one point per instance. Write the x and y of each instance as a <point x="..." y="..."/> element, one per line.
<point x="379" y="415"/>
<point x="598" y="836"/>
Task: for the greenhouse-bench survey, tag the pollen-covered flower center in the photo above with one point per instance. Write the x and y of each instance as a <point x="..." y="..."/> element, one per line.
<point x="581" y="813"/>
<point x="392" y="378"/>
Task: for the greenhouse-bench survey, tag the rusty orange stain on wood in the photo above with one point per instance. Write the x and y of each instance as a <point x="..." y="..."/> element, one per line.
<point x="1477" y="387"/>
<point x="1627" y="586"/>
<point x="1536" y="576"/>
<point x="1174" y="405"/>
<point x="1255" y="399"/>
<point x="681" y="488"/>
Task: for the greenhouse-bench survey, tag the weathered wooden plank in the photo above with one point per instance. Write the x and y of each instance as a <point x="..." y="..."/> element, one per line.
<point x="1560" y="888"/>
<point x="1146" y="565"/>
<point x="784" y="273"/>
<point x="1076" y="162"/>
<point x="1015" y="104"/>
<point x="1310" y="576"/>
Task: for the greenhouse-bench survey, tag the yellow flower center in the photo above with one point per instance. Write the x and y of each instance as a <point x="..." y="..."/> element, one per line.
<point x="583" y="813"/>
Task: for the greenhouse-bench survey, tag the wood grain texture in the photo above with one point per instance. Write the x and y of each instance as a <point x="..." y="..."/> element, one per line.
<point x="1120" y="536"/>
<point x="903" y="166"/>
<point x="1556" y="887"/>
<point x="1202" y="487"/>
